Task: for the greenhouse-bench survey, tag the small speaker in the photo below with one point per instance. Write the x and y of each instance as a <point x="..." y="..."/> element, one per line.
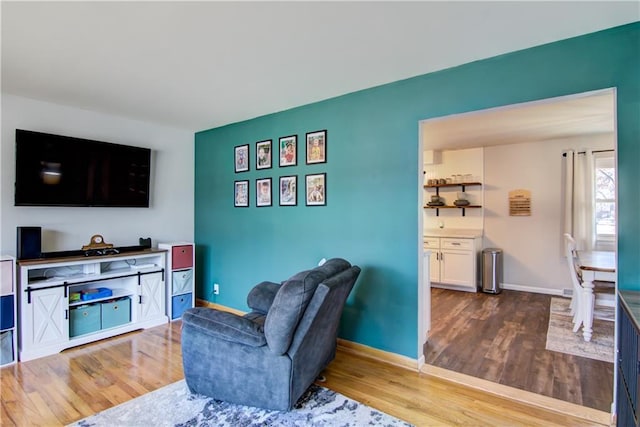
<point x="29" y="243"/>
<point x="145" y="243"/>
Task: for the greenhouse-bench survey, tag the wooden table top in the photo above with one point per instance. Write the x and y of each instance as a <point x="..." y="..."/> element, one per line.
<point x="597" y="261"/>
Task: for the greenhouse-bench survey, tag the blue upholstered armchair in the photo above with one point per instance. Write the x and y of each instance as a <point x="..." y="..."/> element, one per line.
<point x="270" y="356"/>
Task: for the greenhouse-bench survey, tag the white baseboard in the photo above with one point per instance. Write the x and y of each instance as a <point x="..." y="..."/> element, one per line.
<point x="533" y="289"/>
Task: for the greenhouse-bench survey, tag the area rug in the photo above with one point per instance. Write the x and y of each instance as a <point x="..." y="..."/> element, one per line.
<point x="561" y="338"/>
<point x="173" y="405"/>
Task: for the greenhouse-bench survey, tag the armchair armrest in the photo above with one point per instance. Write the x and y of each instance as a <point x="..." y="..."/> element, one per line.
<point x="261" y="296"/>
<point x="224" y="325"/>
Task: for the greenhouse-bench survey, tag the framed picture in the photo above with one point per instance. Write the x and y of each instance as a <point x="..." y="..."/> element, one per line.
<point x="288" y="190"/>
<point x="317" y="147"/>
<point x="288" y="146"/>
<point x="241" y="155"/>
<point x="241" y="194"/>
<point x="316" y="189"/>
<point x="263" y="192"/>
<point x="263" y="154"/>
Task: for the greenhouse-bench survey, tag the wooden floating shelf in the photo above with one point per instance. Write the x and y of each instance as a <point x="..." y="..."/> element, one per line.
<point x="437" y="208"/>
<point x="452" y="207"/>
<point x="456" y="184"/>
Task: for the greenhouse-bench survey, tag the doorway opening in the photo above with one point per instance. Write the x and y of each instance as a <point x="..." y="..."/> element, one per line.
<point x="515" y="144"/>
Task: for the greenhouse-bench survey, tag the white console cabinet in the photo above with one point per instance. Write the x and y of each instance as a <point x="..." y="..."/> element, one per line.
<point x="54" y="314"/>
<point x="454" y="262"/>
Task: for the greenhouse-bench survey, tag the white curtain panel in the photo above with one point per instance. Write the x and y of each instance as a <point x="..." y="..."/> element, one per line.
<point x="578" y="219"/>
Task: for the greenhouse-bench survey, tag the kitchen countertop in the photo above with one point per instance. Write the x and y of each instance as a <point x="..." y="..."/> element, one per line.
<point x="453" y="232"/>
<point x="631" y="300"/>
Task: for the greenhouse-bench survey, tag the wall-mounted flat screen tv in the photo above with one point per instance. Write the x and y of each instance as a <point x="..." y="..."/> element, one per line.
<point x="55" y="170"/>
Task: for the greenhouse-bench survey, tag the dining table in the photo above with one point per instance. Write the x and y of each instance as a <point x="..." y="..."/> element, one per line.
<point x="593" y="265"/>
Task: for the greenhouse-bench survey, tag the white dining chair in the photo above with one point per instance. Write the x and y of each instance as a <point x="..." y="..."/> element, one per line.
<point x="570" y="253"/>
<point x="603" y="290"/>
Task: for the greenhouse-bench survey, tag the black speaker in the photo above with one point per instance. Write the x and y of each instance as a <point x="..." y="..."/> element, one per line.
<point x="29" y="243"/>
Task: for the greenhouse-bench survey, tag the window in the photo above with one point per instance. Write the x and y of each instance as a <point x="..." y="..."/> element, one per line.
<point x="604" y="207"/>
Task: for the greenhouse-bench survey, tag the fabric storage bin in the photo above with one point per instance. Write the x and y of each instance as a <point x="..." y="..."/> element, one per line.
<point x="84" y="319"/>
<point x="182" y="257"/>
<point x="6" y="347"/>
<point x="116" y="313"/>
<point x="6" y="312"/>
<point x="181" y="281"/>
<point x="6" y="277"/>
<point x="179" y="304"/>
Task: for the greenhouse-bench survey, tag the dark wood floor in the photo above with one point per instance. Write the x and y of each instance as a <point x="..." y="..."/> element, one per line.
<point x="501" y="338"/>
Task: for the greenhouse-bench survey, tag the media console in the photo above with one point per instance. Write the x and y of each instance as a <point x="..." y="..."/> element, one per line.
<point x="55" y="316"/>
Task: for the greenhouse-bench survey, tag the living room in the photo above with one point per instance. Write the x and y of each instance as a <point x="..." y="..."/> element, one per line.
<point x="372" y="141"/>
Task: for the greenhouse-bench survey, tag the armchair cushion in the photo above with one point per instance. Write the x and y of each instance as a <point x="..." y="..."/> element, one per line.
<point x="261" y="296"/>
<point x="291" y="301"/>
<point x="225" y="325"/>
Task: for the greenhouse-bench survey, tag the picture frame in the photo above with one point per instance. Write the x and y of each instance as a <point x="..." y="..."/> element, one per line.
<point x="263" y="192"/>
<point x="316" y="144"/>
<point x="263" y="154"/>
<point x="288" y="149"/>
<point x="241" y="194"/>
<point x="288" y="190"/>
<point x="316" y="189"/>
<point x="241" y="158"/>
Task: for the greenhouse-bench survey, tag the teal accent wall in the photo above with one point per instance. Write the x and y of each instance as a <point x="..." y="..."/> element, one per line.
<point x="371" y="217"/>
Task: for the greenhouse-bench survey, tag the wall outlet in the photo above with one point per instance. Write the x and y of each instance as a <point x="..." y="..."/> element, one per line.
<point x="216" y="289"/>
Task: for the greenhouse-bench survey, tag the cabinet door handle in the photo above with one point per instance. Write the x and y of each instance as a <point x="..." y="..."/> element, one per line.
<point x="455" y="243"/>
<point x="66" y="314"/>
<point x="139" y="299"/>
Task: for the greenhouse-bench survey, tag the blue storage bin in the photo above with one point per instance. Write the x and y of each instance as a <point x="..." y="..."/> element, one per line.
<point x="179" y="304"/>
<point x="84" y="319"/>
<point x="6" y="347"/>
<point x="89" y="294"/>
<point x="181" y="281"/>
<point x="116" y="313"/>
<point x="6" y="312"/>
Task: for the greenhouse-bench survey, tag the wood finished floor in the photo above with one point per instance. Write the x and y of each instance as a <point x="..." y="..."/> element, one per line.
<point x="63" y="388"/>
<point x="501" y="338"/>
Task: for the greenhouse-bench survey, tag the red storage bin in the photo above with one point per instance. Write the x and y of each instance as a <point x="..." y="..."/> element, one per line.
<point x="182" y="257"/>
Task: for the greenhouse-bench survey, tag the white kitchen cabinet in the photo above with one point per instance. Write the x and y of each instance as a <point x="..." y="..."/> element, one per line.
<point x="63" y="303"/>
<point x="453" y="262"/>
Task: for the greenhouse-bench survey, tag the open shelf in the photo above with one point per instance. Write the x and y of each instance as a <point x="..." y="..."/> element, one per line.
<point x="437" y="208"/>
<point x="457" y="184"/>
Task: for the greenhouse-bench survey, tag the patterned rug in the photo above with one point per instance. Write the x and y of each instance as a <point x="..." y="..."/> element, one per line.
<point x="173" y="405"/>
<point x="561" y="338"/>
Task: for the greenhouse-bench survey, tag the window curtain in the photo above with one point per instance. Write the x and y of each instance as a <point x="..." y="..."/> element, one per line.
<point x="578" y="194"/>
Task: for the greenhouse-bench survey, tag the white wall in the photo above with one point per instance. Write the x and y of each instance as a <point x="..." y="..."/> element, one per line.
<point x="532" y="245"/>
<point x="171" y="213"/>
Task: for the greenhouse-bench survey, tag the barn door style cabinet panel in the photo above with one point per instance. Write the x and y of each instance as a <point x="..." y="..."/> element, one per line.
<point x="66" y="302"/>
<point x="180" y="277"/>
<point x="8" y="312"/>
<point x="628" y="411"/>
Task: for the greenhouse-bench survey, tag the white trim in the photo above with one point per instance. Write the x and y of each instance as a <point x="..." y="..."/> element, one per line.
<point x="534" y="289"/>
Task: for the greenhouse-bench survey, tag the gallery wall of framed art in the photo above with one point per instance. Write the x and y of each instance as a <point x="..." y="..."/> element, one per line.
<point x="283" y="154"/>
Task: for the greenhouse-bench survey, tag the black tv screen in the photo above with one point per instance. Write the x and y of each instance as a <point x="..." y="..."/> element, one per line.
<point x="55" y="170"/>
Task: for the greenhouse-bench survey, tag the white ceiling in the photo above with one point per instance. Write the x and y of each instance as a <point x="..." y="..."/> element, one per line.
<point x="198" y="65"/>
<point x="557" y="118"/>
